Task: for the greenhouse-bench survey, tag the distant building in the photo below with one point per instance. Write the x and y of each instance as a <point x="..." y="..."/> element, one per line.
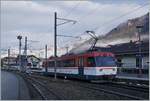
<point x="11" y="61"/>
<point x="31" y="61"/>
<point x="127" y="54"/>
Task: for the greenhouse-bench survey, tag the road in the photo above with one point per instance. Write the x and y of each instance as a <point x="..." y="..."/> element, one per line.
<point x="13" y="87"/>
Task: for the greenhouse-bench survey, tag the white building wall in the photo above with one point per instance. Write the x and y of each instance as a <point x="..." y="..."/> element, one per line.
<point x="145" y="62"/>
<point x="129" y="62"/>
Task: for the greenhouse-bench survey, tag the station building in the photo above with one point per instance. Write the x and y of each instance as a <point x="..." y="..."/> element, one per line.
<point x="127" y="54"/>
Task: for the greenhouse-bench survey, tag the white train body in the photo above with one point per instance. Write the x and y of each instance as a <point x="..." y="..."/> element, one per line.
<point x="94" y="65"/>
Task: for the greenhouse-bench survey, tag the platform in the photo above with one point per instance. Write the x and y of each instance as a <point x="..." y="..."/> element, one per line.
<point x="13" y="87"/>
<point x="133" y="76"/>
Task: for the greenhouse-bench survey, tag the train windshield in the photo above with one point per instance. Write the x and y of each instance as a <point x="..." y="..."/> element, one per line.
<point x="106" y="61"/>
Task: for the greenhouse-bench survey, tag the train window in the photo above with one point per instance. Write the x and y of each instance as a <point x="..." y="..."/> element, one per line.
<point x="105" y="61"/>
<point x="91" y="62"/>
<point x="68" y="63"/>
<point x="59" y="63"/>
<point x="51" y="64"/>
<point x="71" y="63"/>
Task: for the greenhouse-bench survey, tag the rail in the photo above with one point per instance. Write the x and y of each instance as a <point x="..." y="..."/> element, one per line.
<point x="135" y="92"/>
<point x="42" y="89"/>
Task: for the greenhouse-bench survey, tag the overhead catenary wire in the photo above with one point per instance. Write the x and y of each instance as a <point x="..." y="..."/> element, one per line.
<point x="107" y="28"/>
<point x="108" y="22"/>
<point x="73" y="8"/>
<point x="116" y="18"/>
<point x="84" y="16"/>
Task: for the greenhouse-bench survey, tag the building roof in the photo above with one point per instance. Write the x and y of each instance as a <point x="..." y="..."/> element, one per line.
<point x="126" y="48"/>
<point x="5" y="58"/>
<point x="28" y="56"/>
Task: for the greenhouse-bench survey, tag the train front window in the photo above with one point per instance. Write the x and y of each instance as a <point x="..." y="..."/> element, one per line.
<point x="106" y="61"/>
<point x="91" y="62"/>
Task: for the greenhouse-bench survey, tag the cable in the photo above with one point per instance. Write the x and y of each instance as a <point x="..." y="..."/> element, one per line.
<point x="72" y="9"/>
<point x="85" y="17"/>
<point x="114" y="19"/>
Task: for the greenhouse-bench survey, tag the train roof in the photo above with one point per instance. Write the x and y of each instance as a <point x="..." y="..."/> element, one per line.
<point x="89" y="54"/>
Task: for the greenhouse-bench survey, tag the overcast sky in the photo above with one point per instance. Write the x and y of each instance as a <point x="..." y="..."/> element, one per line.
<point x="35" y="19"/>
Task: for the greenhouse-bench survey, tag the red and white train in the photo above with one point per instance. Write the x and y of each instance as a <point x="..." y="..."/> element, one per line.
<point x="89" y="66"/>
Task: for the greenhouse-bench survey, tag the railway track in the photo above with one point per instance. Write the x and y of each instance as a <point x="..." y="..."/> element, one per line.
<point x="42" y="89"/>
<point x="132" y="87"/>
<point x="114" y="93"/>
<point x="119" y="89"/>
<point x="129" y="91"/>
<point x="39" y="91"/>
<point x="124" y="91"/>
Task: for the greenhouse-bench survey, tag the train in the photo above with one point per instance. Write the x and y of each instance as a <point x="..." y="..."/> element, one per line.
<point x="85" y="66"/>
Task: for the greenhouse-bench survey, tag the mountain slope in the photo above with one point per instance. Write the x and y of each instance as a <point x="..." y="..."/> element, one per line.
<point x="123" y="33"/>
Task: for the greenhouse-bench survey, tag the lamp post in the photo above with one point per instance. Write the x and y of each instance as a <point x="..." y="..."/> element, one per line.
<point x="139" y="29"/>
<point x="19" y="37"/>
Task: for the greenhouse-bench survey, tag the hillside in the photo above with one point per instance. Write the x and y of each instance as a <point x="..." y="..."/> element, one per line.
<point x="123" y="33"/>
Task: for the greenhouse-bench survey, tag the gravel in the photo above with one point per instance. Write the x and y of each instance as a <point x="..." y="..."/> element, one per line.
<point x="72" y="90"/>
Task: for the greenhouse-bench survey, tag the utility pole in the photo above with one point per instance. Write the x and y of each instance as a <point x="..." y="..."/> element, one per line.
<point x="19" y="38"/>
<point x="25" y="48"/>
<point x="55" y="38"/>
<point x="8" y="58"/>
<point x="46" y="58"/>
<point x="55" y="44"/>
<point x="25" y="53"/>
<point x="139" y="28"/>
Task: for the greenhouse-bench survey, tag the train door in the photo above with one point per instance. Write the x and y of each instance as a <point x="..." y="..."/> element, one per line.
<point x="81" y="65"/>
